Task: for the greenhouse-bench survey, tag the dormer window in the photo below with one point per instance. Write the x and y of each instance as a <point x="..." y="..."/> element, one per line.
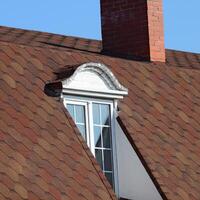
<point x="93" y="118"/>
<point x="90" y="96"/>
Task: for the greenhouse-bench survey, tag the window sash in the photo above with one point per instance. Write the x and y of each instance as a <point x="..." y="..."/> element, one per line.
<point x="88" y="102"/>
<point x="73" y="102"/>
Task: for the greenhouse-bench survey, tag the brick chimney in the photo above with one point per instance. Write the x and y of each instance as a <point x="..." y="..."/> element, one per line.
<point x="133" y="28"/>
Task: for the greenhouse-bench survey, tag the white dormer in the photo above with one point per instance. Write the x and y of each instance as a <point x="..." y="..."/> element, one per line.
<point x="94" y="80"/>
<point x="90" y="96"/>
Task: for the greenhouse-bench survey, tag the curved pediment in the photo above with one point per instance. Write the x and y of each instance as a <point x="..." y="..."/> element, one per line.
<point x="94" y="79"/>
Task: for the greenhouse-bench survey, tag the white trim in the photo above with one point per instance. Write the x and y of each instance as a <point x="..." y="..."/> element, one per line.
<point x="66" y="101"/>
<point x="91" y="128"/>
<point x="86" y="99"/>
<point x="109" y="95"/>
<point x="114" y="144"/>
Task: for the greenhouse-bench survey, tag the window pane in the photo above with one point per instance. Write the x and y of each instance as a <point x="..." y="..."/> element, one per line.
<point x="97" y="136"/>
<point x="106" y="137"/>
<point x="96" y="113"/>
<point x="82" y="130"/>
<point x="98" y="155"/>
<point x="80" y="114"/>
<point x="105" y="114"/>
<point x="107" y="160"/>
<point x="110" y="178"/>
<point x="70" y="109"/>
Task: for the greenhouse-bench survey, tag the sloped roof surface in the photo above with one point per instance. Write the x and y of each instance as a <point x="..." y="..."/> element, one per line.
<point x="161" y="117"/>
<point x="61" y="42"/>
<point x="41" y="154"/>
<point x="41" y="39"/>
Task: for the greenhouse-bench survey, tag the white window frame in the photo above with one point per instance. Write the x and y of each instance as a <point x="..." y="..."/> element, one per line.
<point x="87" y="102"/>
<point x="75" y="102"/>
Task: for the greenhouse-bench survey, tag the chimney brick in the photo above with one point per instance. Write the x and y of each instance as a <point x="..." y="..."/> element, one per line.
<point x="133" y="28"/>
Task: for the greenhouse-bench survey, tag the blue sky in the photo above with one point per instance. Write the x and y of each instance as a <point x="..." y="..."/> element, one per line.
<point x="82" y="18"/>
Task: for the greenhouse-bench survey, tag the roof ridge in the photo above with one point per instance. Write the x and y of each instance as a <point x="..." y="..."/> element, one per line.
<point x="51" y="33"/>
<point x="181" y="51"/>
<point x="76" y="37"/>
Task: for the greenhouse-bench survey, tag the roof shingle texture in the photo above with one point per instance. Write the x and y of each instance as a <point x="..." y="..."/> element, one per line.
<point x="161" y="117"/>
<point x="41" y="154"/>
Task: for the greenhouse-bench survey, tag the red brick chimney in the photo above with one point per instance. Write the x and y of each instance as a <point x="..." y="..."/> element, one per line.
<point x="133" y="28"/>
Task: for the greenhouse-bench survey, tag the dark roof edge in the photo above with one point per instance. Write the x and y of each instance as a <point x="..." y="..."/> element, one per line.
<point x="45" y="32"/>
<point x="181" y="51"/>
<point x="141" y="158"/>
<point x="81" y="38"/>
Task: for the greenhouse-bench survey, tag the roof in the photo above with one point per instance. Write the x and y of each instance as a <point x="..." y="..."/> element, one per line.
<point x="160" y="116"/>
<point x="42" y="154"/>
<point x="61" y="42"/>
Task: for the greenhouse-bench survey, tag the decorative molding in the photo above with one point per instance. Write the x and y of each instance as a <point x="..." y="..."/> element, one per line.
<point x="114" y="88"/>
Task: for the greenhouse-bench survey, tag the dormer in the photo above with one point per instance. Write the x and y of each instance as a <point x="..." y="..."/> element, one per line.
<point x="90" y="95"/>
<point x="94" y="80"/>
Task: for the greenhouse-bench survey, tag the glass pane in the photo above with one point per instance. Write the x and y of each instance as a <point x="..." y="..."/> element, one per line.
<point x="110" y="178"/>
<point x="106" y="137"/>
<point x="82" y="130"/>
<point x="105" y="115"/>
<point x="98" y="155"/>
<point x="80" y="114"/>
<point x="70" y="109"/>
<point x="96" y="113"/>
<point x="107" y="160"/>
<point x="97" y="136"/>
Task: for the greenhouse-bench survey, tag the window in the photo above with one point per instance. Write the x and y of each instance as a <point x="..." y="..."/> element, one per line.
<point x="78" y="114"/>
<point x="94" y="121"/>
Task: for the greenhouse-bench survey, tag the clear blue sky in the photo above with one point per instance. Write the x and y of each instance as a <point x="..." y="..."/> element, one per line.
<point x="82" y="18"/>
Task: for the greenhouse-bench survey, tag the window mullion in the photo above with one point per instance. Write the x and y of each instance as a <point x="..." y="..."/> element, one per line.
<point x="102" y="151"/>
<point x="74" y="114"/>
<point x="91" y="129"/>
<point x="87" y="124"/>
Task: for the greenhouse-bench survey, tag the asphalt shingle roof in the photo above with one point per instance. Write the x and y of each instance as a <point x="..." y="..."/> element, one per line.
<point x="41" y="153"/>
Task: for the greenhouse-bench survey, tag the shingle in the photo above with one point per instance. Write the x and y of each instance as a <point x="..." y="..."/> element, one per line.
<point x="21" y="191"/>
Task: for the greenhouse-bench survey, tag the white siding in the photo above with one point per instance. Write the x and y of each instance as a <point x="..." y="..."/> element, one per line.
<point x="134" y="182"/>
